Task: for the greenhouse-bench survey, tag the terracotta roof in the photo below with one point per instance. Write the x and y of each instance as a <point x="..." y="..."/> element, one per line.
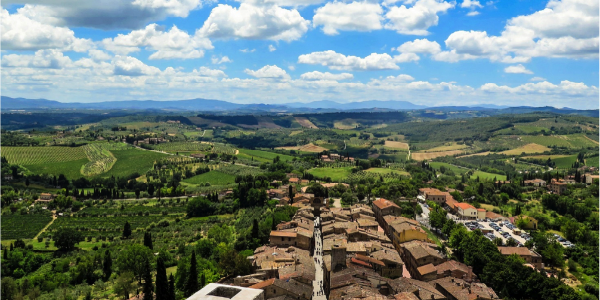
<point x="405" y="296"/>
<point x="452" y="265"/>
<point x="369" y="259"/>
<point x="480" y="209"/>
<point x="283" y="234"/>
<point x="427" y="269"/>
<point x="464" y="205"/>
<point x="360" y="262"/>
<point x="384" y="203"/>
<point x="263" y="284"/>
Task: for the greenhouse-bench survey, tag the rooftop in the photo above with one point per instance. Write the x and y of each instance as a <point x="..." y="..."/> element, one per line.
<point x="216" y="291"/>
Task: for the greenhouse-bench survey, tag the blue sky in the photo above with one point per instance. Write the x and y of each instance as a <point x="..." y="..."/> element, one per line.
<point x="429" y="52"/>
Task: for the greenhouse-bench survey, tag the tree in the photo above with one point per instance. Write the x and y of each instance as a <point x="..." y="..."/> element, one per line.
<point x="191" y="285"/>
<point x="202" y="280"/>
<point x="107" y="265"/>
<point x="124" y="284"/>
<point x="8" y="288"/>
<point x="27" y="181"/>
<point x="171" y="287"/>
<point x="66" y="238"/>
<point x="162" y="284"/>
<point x="255" y="228"/>
<point x="148" y="240"/>
<point x="148" y="287"/>
<point x="126" y="230"/>
<point x="137" y="259"/>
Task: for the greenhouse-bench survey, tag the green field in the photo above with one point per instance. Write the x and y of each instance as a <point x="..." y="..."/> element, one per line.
<point x="592" y="161"/>
<point x="71" y="169"/>
<point x="39" y="155"/>
<point x="182" y="146"/>
<point x="487" y="176"/>
<point x="569" y="141"/>
<point x="561" y="161"/>
<point x="129" y="161"/>
<point x="212" y="177"/>
<point x="387" y="171"/>
<point x="436" y="165"/>
<point x="336" y="174"/>
<point x="23" y="226"/>
<point x="260" y="155"/>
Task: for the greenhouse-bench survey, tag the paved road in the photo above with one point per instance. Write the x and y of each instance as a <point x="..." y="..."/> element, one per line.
<point x="318" y="290"/>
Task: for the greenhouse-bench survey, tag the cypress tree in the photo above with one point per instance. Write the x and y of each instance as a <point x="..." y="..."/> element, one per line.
<point x="171" y="287"/>
<point x="202" y="280"/>
<point x="162" y="285"/>
<point x="148" y="240"/>
<point x="127" y="230"/>
<point x="5" y="253"/>
<point x="107" y="265"/>
<point x="191" y="285"/>
<point x="148" y="287"/>
<point x="255" y="229"/>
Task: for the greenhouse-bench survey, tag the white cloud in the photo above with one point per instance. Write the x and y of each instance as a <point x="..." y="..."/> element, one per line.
<point x="337" y="61"/>
<point x="19" y="32"/>
<point x="131" y="66"/>
<point x="518" y="69"/>
<point x="272" y="48"/>
<point x="567" y="28"/>
<point x="316" y="75"/>
<point x="417" y="19"/>
<point x="269" y="72"/>
<point x="254" y="22"/>
<point x="292" y="3"/>
<point x="106" y="14"/>
<point x="220" y="60"/>
<point x="420" y="46"/>
<point x="354" y="16"/>
<point x="406" y="57"/>
<point x="565" y="88"/>
<point x="472" y="13"/>
<point x="292" y="67"/>
<point x="537" y="79"/>
<point x="471" y="4"/>
<point x="99" y="55"/>
<point x="174" y="43"/>
<point x="51" y="59"/>
<point x="247" y="50"/>
<point x="204" y="71"/>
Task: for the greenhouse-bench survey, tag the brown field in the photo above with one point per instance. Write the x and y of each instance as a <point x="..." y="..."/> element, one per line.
<point x="307" y="148"/>
<point x="304" y="122"/>
<point x="475" y="154"/>
<point x="397" y="145"/>
<point x="431" y="155"/>
<point x="529" y="148"/>
<point x="449" y="147"/>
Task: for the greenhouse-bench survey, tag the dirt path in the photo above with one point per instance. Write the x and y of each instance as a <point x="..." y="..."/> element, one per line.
<point x="44" y="229"/>
<point x="587" y="137"/>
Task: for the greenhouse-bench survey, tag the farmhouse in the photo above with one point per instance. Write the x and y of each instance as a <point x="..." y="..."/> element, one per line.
<point x="466" y="211"/>
<point x="589" y="178"/>
<point x="535" y="182"/>
<point x="46" y="196"/>
<point x="530" y="256"/>
<point x="8" y="177"/>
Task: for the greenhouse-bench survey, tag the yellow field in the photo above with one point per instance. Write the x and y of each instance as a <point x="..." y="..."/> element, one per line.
<point x="345" y="124"/>
<point x="307" y="148"/>
<point x="396" y="145"/>
<point x="431" y="155"/>
<point x="304" y="122"/>
<point x="476" y="154"/>
<point x="452" y="146"/>
<point x="529" y="148"/>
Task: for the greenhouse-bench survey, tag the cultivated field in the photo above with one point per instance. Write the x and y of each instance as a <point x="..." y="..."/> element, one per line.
<point x="457" y="170"/>
<point x="100" y="159"/>
<point x="396" y="145"/>
<point x="529" y="148"/>
<point x="304" y="122"/>
<point x="345" y="124"/>
<point x="212" y="177"/>
<point x="130" y="161"/>
<point x="449" y="147"/>
<point x="475" y="154"/>
<point x="431" y="155"/>
<point x="569" y="141"/>
<point x="387" y="171"/>
<point x="262" y="155"/>
<point x="487" y="176"/>
<point x="23" y="226"/>
<point x="306" y="148"/>
<point x="38" y="155"/>
<point x="336" y="174"/>
<point x="182" y="146"/>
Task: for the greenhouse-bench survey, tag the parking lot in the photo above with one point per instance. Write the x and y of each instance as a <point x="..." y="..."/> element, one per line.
<point x="503" y="230"/>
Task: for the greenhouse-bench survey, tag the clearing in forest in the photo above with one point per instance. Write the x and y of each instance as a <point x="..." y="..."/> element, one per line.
<point x="396" y="145"/>
<point x="304" y="122"/>
<point x="432" y="155"/>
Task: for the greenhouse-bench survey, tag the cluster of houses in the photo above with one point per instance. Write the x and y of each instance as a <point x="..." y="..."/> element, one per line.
<point x="336" y="157"/>
<point x="368" y="252"/>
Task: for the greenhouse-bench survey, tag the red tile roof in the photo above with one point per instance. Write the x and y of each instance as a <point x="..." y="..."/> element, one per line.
<point x="384" y="203"/>
<point x="464" y="205"/>
<point x="263" y="284"/>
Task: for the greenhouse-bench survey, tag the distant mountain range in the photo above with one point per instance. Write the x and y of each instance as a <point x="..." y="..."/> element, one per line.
<point x="208" y="105"/>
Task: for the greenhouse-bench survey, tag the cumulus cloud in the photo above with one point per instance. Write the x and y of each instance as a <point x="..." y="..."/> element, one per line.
<point x="537" y="79"/>
<point x="106" y="14"/>
<point x="99" y="55"/>
<point x="51" y="59"/>
<point x="272" y="48"/>
<point x="19" y="32"/>
<point x="220" y="60"/>
<point x="471" y="4"/>
<point x="354" y="16"/>
<point x="518" y="69"/>
<point x="269" y="72"/>
<point x="316" y="75"/>
<point x="420" y="46"/>
<point x="254" y="22"/>
<point x="204" y="71"/>
<point x="337" y="61"/>
<point x="415" y="20"/>
<point x="406" y="57"/>
<point x="131" y="66"/>
<point x="174" y="43"/>
<point x="567" y="28"/>
<point x="472" y="13"/>
<point x="546" y="88"/>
